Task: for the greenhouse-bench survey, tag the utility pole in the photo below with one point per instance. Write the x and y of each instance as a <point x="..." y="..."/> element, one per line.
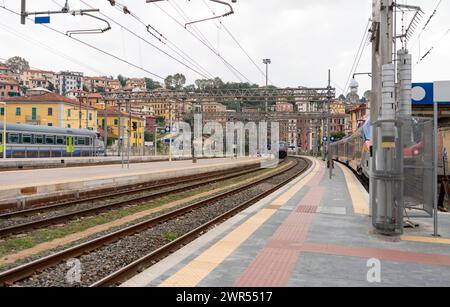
<point x="267" y="62"/>
<point x="386" y="176"/>
<point x="329" y="99"/>
<point x="105" y="128"/>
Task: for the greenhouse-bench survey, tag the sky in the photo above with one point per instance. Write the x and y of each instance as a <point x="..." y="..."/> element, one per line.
<point x="303" y="38"/>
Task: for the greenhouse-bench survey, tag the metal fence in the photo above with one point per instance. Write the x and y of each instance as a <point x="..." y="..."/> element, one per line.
<point x="418" y="164"/>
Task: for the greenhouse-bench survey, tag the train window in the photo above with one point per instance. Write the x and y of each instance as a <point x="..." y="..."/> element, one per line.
<point x="81" y="141"/>
<point x="61" y="140"/>
<point x="13" y="138"/>
<point x="49" y="139"/>
<point x="38" y="139"/>
<point x="26" y="138"/>
<point x="88" y="141"/>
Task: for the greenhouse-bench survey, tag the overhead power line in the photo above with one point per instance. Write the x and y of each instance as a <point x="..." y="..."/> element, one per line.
<point x="146" y="41"/>
<point x="232" y="69"/>
<point x="358" y="57"/>
<point x="53" y="50"/>
<point x="91" y="46"/>
<point x="237" y="42"/>
<point x="160" y="37"/>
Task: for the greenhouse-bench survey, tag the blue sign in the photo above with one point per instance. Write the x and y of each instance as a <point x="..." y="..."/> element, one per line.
<point x="423" y="94"/>
<point x="167" y="129"/>
<point x="174" y="129"/>
<point x="42" y="19"/>
<point x="332" y="139"/>
<point x="166" y="140"/>
<point x="325" y="138"/>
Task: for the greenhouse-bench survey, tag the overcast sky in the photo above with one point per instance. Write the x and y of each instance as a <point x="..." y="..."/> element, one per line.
<point x="303" y="38"/>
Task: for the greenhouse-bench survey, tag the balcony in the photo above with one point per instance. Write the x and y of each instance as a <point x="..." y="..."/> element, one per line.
<point x="30" y="120"/>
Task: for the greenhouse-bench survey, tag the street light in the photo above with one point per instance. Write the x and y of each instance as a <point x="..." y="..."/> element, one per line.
<point x="4" y="129"/>
<point x="267" y="62"/>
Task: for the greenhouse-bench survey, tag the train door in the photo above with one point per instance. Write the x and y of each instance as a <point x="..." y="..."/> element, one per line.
<point x="70" y="147"/>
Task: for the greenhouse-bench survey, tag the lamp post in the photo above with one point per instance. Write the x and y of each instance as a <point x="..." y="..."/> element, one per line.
<point x="267" y="62"/>
<point x="4" y="129"/>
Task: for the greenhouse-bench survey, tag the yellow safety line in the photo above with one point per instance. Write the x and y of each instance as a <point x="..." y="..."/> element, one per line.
<point x="359" y="202"/>
<point x="426" y="239"/>
<point x="195" y="271"/>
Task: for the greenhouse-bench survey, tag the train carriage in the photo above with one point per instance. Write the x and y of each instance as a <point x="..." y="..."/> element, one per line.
<point x="29" y="141"/>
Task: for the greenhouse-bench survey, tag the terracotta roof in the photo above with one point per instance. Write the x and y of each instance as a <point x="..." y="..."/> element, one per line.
<point x="113" y="113"/>
<point x="47" y="97"/>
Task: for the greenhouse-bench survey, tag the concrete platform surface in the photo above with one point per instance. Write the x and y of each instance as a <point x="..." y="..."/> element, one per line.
<point x="313" y="232"/>
<point x="39" y="163"/>
<point x="33" y="184"/>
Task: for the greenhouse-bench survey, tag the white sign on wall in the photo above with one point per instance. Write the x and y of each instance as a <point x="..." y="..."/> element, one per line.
<point x="442" y="91"/>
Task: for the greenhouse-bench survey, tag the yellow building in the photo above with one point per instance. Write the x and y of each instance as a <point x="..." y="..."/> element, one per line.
<point x="50" y="109"/>
<point x="136" y="126"/>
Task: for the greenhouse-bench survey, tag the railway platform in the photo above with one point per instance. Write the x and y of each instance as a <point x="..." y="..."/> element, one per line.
<point x="61" y="162"/>
<point x="313" y="232"/>
<point x="25" y="186"/>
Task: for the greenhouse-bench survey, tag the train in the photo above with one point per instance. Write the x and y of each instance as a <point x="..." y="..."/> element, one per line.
<point x="283" y="150"/>
<point x="31" y="141"/>
<point x="355" y="150"/>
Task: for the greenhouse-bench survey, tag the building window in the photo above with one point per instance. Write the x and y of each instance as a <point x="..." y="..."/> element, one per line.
<point x="2" y="111"/>
<point x="69" y="126"/>
<point x="90" y="116"/>
<point x="50" y="111"/>
<point x="69" y="113"/>
<point x="116" y="122"/>
<point x="18" y="111"/>
<point x="50" y="124"/>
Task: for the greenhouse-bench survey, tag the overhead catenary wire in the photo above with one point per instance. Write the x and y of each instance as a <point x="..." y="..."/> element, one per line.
<point x="417" y="40"/>
<point x="161" y="38"/>
<point x="232" y="69"/>
<point x="90" y="46"/>
<point x="53" y="50"/>
<point x="358" y="56"/>
<point x="146" y="41"/>
<point x="426" y="54"/>
<point x="237" y="42"/>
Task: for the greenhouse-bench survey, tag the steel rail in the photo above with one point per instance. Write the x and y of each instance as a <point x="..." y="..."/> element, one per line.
<point x="20" y="228"/>
<point x="11" y="276"/>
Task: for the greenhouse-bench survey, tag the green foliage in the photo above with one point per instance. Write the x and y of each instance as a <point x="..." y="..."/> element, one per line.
<point x="122" y="80"/>
<point x="338" y="135"/>
<point x="151" y="84"/>
<point x="51" y="87"/>
<point x="17" y="64"/>
<point x="171" y="236"/>
<point x="175" y="82"/>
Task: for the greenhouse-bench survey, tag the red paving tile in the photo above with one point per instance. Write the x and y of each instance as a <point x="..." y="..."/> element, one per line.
<point x="274" y="264"/>
<point x="381" y="254"/>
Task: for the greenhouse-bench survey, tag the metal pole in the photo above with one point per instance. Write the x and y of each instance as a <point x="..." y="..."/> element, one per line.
<point x="170" y="134"/>
<point x="105" y="127"/>
<point x="4" y="129"/>
<point x="435" y="181"/>
<point x="330" y="164"/>
<point x="23" y="11"/>
<point x="156" y="140"/>
<point x="129" y="134"/>
<point x="119" y="127"/>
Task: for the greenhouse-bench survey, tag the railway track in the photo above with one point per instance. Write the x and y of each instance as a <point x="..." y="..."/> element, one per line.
<point x="113" y="258"/>
<point x="38" y="220"/>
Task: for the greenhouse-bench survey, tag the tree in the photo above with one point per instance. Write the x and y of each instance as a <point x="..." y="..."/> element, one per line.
<point x="151" y="84"/>
<point x="85" y="88"/>
<point x="100" y="89"/>
<point x="338" y="135"/>
<point x="51" y="87"/>
<point x="175" y="82"/>
<point x="17" y="64"/>
<point x="122" y="80"/>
